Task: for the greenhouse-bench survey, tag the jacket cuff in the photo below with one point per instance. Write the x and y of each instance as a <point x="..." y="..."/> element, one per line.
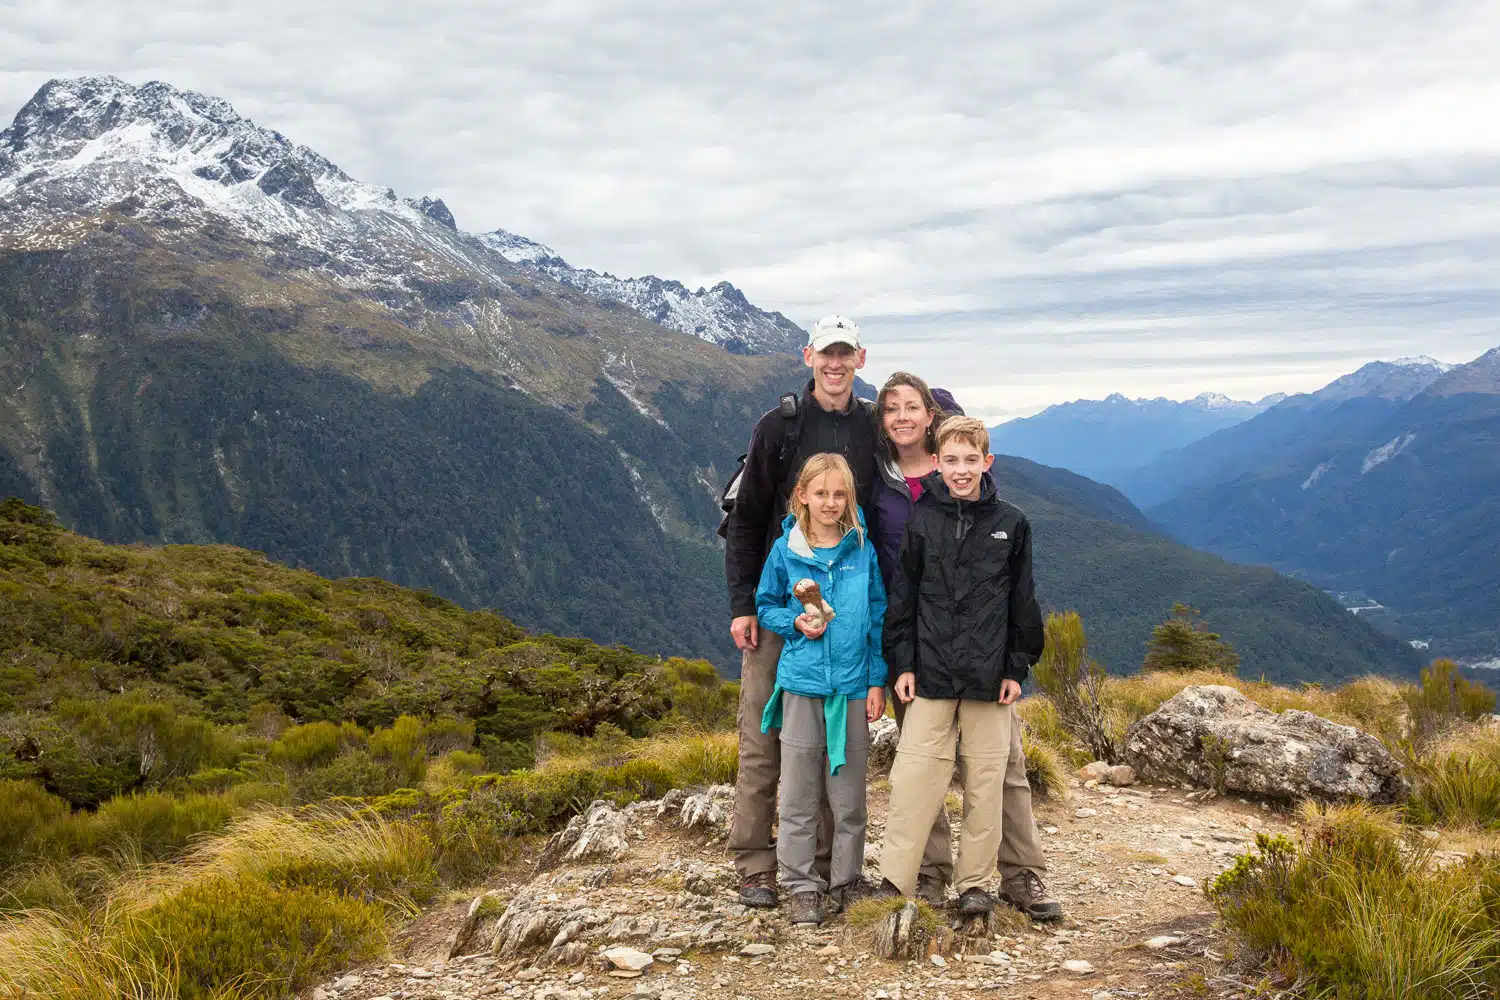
<point x="742" y="605"/>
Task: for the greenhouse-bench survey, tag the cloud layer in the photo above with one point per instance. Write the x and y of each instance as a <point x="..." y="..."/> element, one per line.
<point x="1028" y="202"/>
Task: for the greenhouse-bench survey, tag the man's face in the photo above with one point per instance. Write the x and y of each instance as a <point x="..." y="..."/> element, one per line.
<point x="961" y="465"/>
<point x="834" y="367"/>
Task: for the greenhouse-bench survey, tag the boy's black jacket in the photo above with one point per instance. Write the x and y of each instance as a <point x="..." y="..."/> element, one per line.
<point x="963" y="613"/>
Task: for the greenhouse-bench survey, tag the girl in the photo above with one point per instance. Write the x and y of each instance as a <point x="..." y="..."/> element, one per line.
<point x="830" y="681"/>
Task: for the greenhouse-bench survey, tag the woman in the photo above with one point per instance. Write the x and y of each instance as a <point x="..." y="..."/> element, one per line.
<point x="906" y="450"/>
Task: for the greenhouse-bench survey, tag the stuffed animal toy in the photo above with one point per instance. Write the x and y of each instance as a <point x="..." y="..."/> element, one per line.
<point x="811" y="596"/>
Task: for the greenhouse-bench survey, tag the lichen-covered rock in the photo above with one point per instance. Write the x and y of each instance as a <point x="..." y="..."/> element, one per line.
<point x="709" y="809"/>
<point x="884" y="735"/>
<point x="485" y="902"/>
<point x="602" y="831"/>
<point x="1213" y="736"/>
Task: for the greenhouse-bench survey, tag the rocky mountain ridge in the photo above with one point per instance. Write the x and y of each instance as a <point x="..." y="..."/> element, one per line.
<point x="182" y="159"/>
<point x="720" y="315"/>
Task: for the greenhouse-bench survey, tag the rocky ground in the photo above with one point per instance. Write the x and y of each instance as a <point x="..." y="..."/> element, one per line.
<point x="653" y="888"/>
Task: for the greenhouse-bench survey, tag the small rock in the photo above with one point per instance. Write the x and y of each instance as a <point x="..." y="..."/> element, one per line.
<point x="625" y="973"/>
<point x="1049" y="829"/>
<point x="939" y="961"/>
<point x="1162" y="941"/>
<point x="1121" y="776"/>
<point x="529" y="975"/>
<point x="829" y="951"/>
<point x="628" y="959"/>
<point x="1094" y="770"/>
<point x="1084" y="812"/>
<point x="421" y="974"/>
<point x="576" y="978"/>
<point x="346" y="983"/>
<point x="1184" y="880"/>
<point x="1078" y="967"/>
<point x="756" y="950"/>
<point x="666" y="954"/>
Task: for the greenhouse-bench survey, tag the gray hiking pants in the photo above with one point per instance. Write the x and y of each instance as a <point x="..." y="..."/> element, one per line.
<point x="804" y="779"/>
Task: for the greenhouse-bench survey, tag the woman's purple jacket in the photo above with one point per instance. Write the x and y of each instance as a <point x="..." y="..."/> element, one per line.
<point x="892" y="500"/>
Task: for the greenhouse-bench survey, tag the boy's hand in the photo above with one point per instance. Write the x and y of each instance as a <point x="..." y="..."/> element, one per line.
<point x="906" y="687"/>
<point x="874" y="704"/>
<point x="810" y="626"/>
<point x="1009" y="692"/>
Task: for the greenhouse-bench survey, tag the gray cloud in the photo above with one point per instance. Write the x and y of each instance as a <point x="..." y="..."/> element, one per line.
<point x="1029" y="201"/>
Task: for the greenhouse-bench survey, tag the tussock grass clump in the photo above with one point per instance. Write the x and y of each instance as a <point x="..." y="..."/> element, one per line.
<point x="868" y="912"/>
<point x="1046" y="771"/>
<point x="1458" y="779"/>
<point x="1353" y="911"/>
<point x="693" y="757"/>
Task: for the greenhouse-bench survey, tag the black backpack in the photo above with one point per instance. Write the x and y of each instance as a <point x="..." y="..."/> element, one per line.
<point x="791" y="435"/>
<point x="790" y="406"/>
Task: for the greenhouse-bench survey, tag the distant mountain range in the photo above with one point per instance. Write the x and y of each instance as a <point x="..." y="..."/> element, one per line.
<point x="1384" y="484"/>
<point x="1105" y="439"/>
<point x="209" y="333"/>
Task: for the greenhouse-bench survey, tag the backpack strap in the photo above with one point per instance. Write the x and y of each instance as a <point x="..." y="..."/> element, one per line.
<point x="790" y="407"/>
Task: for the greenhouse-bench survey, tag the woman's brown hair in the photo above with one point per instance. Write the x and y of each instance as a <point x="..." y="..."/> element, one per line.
<point x="913" y="382"/>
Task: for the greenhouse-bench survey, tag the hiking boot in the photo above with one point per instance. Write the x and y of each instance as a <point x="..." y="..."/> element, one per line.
<point x="932" y="889"/>
<point x="759" y="891"/>
<point x="841" y="897"/>
<point x="975" y="902"/>
<point x="1026" y="892"/>
<point x="807" y="908"/>
<point x="886" y="890"/>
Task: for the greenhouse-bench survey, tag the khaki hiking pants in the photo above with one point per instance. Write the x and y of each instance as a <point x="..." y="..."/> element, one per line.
<point x="1020" y="846"/>
<point x="978" y="735"/>
<point x="751" y="828"/>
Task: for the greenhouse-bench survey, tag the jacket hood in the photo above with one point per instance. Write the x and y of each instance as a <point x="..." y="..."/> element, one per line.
<point x="798" y="544"/>
<point x="934" y="487"/>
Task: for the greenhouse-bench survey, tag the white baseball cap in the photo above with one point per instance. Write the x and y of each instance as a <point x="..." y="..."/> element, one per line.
<point x="832" y="330"/>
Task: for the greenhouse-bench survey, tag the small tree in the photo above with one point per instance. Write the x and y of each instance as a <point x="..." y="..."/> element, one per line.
<point x="1182" y="643"/>
<point x="1075" y="683"/>
<point x="1444" y="699"/>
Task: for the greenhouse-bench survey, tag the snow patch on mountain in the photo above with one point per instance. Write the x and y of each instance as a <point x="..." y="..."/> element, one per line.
<point x="720" y="315"/>
<point x="1387" y="451"/>
<point x="1316" y="474"/>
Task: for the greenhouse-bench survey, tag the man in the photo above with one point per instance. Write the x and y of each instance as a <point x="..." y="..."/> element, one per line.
<point x="827" y="419"/>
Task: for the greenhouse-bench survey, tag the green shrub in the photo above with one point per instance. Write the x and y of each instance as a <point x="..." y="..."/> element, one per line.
<point x="257" y="939"/>
<point x="1182" y="644"/>
<point x="315" y="744"/>
<point x="1352" y="912"/>
<point x="27" y="812"/>
<point x="403" y="748"/>
<point x="1445" y="698"/>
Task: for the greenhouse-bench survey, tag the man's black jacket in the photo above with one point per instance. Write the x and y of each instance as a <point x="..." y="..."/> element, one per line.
<point x="963" y="613"/>
<point x="755" y="522"/>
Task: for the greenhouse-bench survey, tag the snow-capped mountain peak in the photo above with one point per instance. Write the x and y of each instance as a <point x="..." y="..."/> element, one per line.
<point x="720" y="314"/>
<point x="85" y="147"/>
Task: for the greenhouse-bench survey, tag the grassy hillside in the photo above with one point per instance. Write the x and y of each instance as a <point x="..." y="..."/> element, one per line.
<point x="1094" y="553"/>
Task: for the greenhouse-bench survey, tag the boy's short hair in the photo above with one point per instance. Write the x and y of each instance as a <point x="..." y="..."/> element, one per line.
<point x="969" y="430"/>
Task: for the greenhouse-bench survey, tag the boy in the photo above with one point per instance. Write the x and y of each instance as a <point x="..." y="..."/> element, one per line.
<point x="961" y="633"/>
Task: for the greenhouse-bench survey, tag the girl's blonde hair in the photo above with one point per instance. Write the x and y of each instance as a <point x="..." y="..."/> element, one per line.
<point x="814" y="467"/>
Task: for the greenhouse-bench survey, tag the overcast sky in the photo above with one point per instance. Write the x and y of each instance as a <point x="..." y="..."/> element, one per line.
<point x="1026" y="201"/>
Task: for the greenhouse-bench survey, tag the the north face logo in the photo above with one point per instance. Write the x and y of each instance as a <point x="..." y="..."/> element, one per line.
<point x="999" y="536"/>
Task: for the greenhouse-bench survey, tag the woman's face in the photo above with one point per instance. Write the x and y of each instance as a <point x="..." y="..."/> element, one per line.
<point x="906" y="419"/>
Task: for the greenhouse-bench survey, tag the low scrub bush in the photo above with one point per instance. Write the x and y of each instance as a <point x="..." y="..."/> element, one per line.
<point x="27" y="813"/>
<point x="1046" y="770"/>
<point x="1444" y="699"/>
<point x="251" y="937"/>
<point x="1352" y="911"/>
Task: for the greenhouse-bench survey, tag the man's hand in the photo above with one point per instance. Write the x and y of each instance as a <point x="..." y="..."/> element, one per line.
<point x="809" y="626"/>
<point x="874" y="704"/>
<point x="746" y="632"/>
<point x="906" y="687"/>
<point x="1009" y="692"/>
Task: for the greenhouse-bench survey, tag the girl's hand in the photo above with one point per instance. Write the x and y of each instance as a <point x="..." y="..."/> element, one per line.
<point x="810" y="626"/>
<point x="1009" y="692"/>
<point x="874" y="704"/>
<point x="906" y="687"/>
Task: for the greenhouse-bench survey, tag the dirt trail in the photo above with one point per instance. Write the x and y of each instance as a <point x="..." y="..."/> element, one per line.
<point x="1118" y="861"/>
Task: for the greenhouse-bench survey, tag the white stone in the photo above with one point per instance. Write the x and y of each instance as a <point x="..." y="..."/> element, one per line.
<point x="1078" y="967"/>
<point x="1184" y="880"/>
<point x="1084" y="812"/>
<point x="756" y="950"/>
<point x="939" y="961"/>
<point x="628" y="959"/>
<point x="346" y="983"/>
<point x="1162" y="941"/>
<point x="1094" y="770"/>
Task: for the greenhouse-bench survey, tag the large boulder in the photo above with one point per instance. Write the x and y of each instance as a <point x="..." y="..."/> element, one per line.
<point x="1213" y="736"/>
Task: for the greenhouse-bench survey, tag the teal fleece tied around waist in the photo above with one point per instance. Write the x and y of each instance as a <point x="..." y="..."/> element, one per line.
<point x="835" y="724"/>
